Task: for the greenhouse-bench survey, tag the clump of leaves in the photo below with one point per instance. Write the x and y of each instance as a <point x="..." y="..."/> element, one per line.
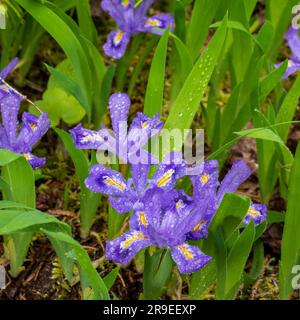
<point x="59" y="104"/>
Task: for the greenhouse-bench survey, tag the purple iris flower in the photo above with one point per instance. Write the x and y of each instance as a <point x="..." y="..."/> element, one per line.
<point x="163" y="226"/>
<point x="131" y="19"/>
<point x="208" y="189"/>
<point x="20" y="139"/>
<point x="293" y="39"/>
<point x="130" y="195"/>
<point x="126" y="145"/>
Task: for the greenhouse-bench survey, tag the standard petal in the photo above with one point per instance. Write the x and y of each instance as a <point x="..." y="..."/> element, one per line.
<point x="257" y="213"/>
<point x="169" y="171"/>
<point x="32" y="130"/>
<point x="119" y="104"/>
<point x="9" y="68"/>
<point x="34" y="161"/>
<point x="107" y="181"/>
<point x="157" y="202"/>
<point x="10" y="106"/>
<point x="140" y="176"/>
<point x="3" y="139"/>
<point x="143" y="7"/>
<point x="142" y="129"/>
<point x="122" y="204"/>
<point x="293" y="39"/>
<point x="113" y="7"/>
<point x="116" y="44"/>
<point x="157" y="24"/>
<point x="124" y="248"/>
<point x="239" y="173"/>
<point x="189" y="258"/>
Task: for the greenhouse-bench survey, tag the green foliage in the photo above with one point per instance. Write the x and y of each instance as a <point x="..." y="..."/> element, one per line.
<point x="291" y="239"/>
<point x="57" y="102"/>
<point x="89" y="201"/>
<point x="215" y="71"/>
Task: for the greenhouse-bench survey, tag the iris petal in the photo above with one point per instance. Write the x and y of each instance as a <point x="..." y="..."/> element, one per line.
<point x="107" y="181"/>
<point x="257" y="213"/>
<point x="119" y="104"/>
<point x="189" y="258"/>
<point x="10" y="106"/>
<point x="158" y="23"/>
<point x="293" y="39"/>
<point x="116" y="44"/>
<point x="90" y="139"/>
<point x="32" y="130"/>
<point x="239" y="173"/>
<point x="9" y="68"/>
<point x="34" y="161"/>
<point x="169" y="171"/>
<point x="124" y="248"/>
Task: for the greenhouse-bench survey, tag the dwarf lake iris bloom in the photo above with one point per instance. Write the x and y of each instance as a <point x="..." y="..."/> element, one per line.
<point x="161" y="225"/>
<point x="293" y="39"/>
<point x="130" y="195"/>
<point x="19" y="139"/>
<point x="208" y="189"/>
<point x="131" y="19"/>
<point x="126" y="145"/>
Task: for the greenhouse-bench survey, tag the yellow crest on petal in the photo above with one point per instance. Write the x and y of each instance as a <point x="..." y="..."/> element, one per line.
<point x="179" y="204"/>
<point x="33" y="126"/>
<point x="252" y="212"/>
<point x="26" y="156"/>
<point x="144" y="124"/>
<point x="142" y="219"/>
<point x="198" y="226"/>
<point x="165" y="178"/>
<point x="125" y="3"/>
<point x="204" y="179"/>
<point x="152" y="23"/>
<point x="188" y="254"/>
<point x="93" y="138"/>
<point x="291" y="63"/>
<point x="114" y="183"/>
<point x="132" y="239"/>
<point x="4" y="88"/>
<point x="118" y="37"/>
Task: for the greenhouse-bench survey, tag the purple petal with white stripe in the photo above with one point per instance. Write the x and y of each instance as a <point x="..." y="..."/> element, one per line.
<point x="90" y="139"/>
<point x="116" y="44"/>
<point x="157" y="24"/>
<point x="189" y="258"/>
<point x="169" y="171"/>
<point x="124" y="248"/>
<point x="257" y="213"/>
<point x="34" y="161"/>
<point x="107" y="181"/>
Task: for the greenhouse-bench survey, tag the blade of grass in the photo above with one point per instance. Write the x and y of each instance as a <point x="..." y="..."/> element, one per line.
<point x="291" y="235"/>
<point x="156" y="79"/>
<point x="188" y="100"/>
